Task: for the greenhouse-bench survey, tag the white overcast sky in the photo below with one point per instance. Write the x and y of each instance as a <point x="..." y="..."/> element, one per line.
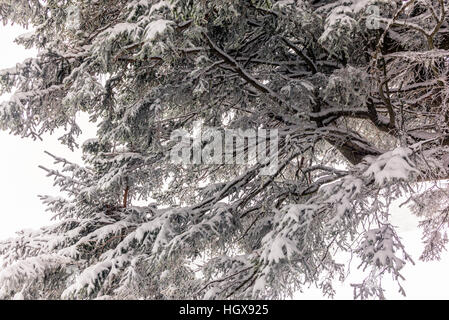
<point x="21" y="181"/>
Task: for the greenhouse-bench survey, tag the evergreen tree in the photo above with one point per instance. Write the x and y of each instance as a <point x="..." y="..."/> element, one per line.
<point x="357" y="91"/>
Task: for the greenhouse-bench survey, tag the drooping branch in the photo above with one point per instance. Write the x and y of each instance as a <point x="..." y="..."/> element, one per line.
<point x="243" y="73"/>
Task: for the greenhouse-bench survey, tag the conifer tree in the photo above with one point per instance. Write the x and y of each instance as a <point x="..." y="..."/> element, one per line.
<point x="357" y="91"/>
